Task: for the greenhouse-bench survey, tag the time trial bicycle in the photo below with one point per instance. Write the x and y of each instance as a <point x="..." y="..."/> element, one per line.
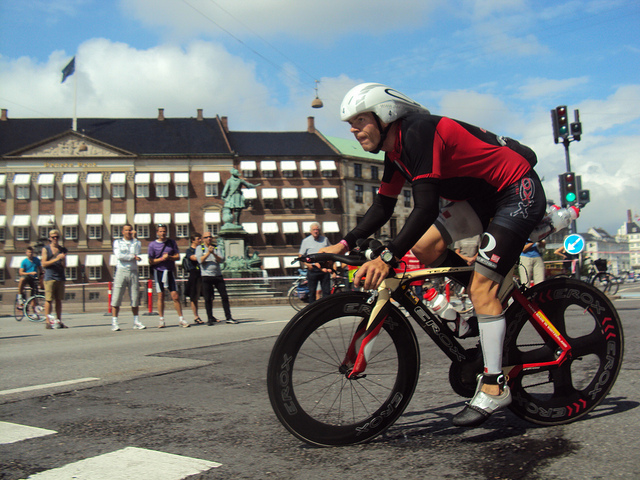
<point x="344" y="369"/>
<point x="32" y="307"/>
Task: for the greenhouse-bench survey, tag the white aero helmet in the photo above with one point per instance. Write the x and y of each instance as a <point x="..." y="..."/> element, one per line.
<point x="388" y="104"/>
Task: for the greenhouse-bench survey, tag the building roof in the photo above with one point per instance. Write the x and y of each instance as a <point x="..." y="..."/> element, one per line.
<point x="279" y="144"/>
<point x="352" y="148"/>
<point x="172" y="136"/>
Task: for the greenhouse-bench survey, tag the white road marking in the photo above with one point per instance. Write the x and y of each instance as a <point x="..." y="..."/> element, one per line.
<point x="47" y="385"/>
<point x="129" y="463"/>
<point x="12" y="432"/>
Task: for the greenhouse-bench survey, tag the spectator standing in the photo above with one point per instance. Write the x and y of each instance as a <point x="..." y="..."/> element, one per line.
<point x="54" y="261"/>
<point x="194" y="283"/>
<point x="567" y="259"/>
<point x="30" y="272"/>
<point x="210" y="257"/>
<point x="531" y="266"/>
<point x="315" y="274"/>
<point x="126" y="250"/>
<point x="163" y="254"/>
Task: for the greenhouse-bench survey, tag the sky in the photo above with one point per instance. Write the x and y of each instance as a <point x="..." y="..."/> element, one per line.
<point x="499" y="64"/>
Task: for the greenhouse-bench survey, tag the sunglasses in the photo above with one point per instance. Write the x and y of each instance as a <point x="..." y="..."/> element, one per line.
<point x="54" y="236"/>
<point x="208" y="236"/>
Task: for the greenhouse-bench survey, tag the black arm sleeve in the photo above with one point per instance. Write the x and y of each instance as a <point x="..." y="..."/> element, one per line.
<point x="425" y="212"/>
<point x="375" y="218"/>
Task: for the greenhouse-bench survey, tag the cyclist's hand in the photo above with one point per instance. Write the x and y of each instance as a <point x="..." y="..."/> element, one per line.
<point x="374" y="272"/>
<point x="337" y="249"/>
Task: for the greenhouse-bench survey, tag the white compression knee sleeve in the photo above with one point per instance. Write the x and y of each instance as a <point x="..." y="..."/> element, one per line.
<point x="492" y="330"/>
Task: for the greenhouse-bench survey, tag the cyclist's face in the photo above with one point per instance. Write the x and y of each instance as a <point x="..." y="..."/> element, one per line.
<point x="365" y="129"/>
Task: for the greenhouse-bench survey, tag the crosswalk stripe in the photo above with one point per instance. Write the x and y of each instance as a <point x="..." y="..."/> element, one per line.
<point x="12" y="432"/>
<point x="128" y="463"/>
<point x="48" y="385"/>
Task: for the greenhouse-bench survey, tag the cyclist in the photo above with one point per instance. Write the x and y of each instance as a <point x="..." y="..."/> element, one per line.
<point x="30" y="271"/>
<point x="493" y="189"/>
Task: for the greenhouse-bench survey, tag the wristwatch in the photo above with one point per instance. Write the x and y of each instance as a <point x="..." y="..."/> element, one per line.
<point x="388" y="257"/>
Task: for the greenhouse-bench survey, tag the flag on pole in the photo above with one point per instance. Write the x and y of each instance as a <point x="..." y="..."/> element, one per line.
<point x="69" y="69"/>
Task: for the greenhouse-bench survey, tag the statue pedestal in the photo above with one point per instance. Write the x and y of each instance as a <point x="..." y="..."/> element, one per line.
<point x="237" y="263"/>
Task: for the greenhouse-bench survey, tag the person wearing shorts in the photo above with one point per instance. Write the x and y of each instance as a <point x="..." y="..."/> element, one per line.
<point x="493" y="191"/>
<point x="163" y="254"/>
<point x="54" y="261"/>
<point x="126" y="251"/>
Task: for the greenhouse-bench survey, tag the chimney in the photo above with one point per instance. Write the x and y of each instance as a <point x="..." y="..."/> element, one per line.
<point x="4" y="118"/>
<point x="225" y="124"/>
<point x="200" y="116"/>
<point x="629" y="216"/>
<point x="160" y="114"/>
<point x="311" y="125"/>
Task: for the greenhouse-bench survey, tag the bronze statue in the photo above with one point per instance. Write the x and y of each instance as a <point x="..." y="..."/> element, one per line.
<point x="234" y="201"/>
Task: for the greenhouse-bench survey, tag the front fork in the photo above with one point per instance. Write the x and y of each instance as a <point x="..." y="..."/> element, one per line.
<point x="378" y="315"/>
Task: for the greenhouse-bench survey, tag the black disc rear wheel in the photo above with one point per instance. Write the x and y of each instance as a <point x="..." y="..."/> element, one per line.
<point x="589" y="322"/>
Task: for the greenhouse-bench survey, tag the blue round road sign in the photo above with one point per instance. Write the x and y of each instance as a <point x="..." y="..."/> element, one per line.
<point x="574" y="244"/>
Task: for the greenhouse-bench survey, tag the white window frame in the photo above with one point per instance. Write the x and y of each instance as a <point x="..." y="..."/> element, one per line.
<point x="142" y="190"/>
<point x="22" y="234"/>
<point x="116" y="231"/>
<point x="118" y="190"/>
<point x="94" y="232"/>
<point x="94" y="272"/>
<point x="43" y="232"/>
<point x="328" y="203"/>
<point x="309" y="202"/>
<point x="46" y="192"/>
<point x="182" y="230"/>
<point x="70" y="232"/>
<point x="213" y="229"/>
<point x="143" y="231"/>
<point x="94" y="190"/>
<point x="162" y="190"/>
<point x="289" y="203"/>
<point x="182" y="190"/>
<point x="71" y="273"/>
<point x="3" y="192"/>
<point x="71" y="191"/>
<point x="23" y="192"/>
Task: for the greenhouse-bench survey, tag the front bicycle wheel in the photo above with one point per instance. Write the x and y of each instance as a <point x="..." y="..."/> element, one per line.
<point x="294" y="299"/>
<point x="589" y="322"/>
<point x="307" y="374"/>
<point x="34" y="308"/>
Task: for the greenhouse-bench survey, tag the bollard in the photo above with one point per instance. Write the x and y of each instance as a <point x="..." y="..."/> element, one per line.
<point x="150" y="296"/>
<point x="110" y="291"/>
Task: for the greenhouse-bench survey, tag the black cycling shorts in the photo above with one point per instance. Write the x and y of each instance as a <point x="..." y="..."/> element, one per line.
<point x="505" y="220"/>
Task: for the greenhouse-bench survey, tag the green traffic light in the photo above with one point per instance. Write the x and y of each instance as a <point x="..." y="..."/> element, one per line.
<point x="570" y="197"/>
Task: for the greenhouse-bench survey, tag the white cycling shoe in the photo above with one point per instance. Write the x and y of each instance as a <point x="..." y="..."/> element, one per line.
<point x="482" y="405"/>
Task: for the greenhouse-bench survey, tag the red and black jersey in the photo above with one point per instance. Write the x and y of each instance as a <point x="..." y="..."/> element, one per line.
<point x="463" y="160"/>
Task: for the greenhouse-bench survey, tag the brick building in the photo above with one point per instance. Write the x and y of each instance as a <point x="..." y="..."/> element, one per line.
<point x="87" y="183"/>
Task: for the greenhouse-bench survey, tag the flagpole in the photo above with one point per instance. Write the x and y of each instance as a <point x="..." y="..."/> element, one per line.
<point x="74" y="125"/>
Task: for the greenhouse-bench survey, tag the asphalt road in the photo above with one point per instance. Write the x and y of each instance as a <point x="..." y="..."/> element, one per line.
<point x="192" y="403"/>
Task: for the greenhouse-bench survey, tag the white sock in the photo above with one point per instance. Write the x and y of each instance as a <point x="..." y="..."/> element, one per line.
<point x="114" y="320"/>
<point x="136" y="319"/>
<point x="492" y="331"/>
<point x="181" y="319"/>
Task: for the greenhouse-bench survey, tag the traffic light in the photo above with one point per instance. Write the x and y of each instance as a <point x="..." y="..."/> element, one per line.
<point x="568" y="189"/>
<point x="584" y="197"/>
<point x="560" y="122"/>
<point x="576" y="126"/>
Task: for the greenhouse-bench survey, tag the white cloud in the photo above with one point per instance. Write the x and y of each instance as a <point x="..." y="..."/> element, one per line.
<point x="545" y="87"/>
<point x="317" y="21"/>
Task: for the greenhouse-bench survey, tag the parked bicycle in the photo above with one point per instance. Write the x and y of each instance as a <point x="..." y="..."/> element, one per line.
<point x="33" y="306"/>
<point x="344" y="369"/>
<point x="603" y="280"/>
<point x="299" y="292"/>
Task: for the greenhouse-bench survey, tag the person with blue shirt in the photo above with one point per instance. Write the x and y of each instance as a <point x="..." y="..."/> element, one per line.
<point x="531" y="266"/>
<point x="30" y="271"/>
